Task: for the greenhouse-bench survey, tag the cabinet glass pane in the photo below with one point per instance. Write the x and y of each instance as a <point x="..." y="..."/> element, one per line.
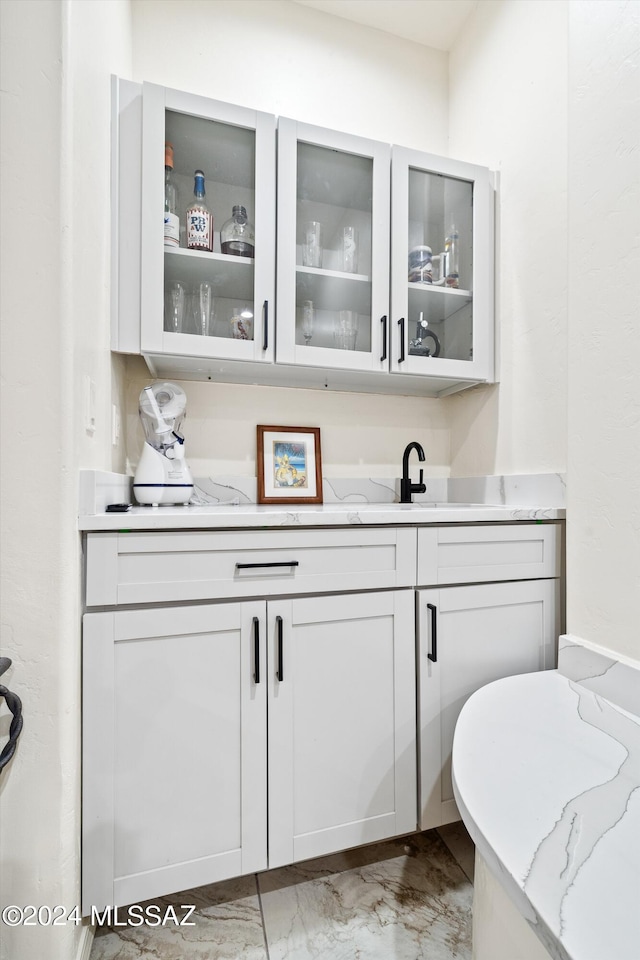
<point x="210" y="293"/>
<point x="440" y="267"/>
<point x="333" y="249"/>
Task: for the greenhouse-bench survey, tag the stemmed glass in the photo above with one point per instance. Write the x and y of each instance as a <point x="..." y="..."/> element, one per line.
<point x="205" y="314"/>
<point x="177" y="297"/>
<point x="308" y="316"/>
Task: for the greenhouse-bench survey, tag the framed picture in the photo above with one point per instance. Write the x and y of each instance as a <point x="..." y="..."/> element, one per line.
<point x="289" y="465"/>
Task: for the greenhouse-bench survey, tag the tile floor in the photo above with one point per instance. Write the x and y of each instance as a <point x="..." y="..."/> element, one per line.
<point x="403" y="899"/>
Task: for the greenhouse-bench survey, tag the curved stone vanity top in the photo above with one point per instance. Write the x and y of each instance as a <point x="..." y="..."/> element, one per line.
<point x="547" y="780"/>
<point x="227" y="516"/>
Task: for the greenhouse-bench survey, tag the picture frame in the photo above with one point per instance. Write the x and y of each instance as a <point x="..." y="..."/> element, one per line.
<point x="289" y="465"/>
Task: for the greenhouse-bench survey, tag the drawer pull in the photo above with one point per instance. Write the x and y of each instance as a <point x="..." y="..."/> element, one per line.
<point x="280" y="673"/>
<point x="256" y="650"/>
<point x="433" y="656"/>
<point x="280" y="563"/>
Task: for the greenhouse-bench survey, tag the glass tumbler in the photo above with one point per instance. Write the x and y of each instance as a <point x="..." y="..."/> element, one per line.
<point x="312" y="244"/>
<point x="345" y="330"/>
<point x="205" y="312"/>
<point x="350" y="250"/>
<point x="308" y="317"/>
<point x="175" y="308"/>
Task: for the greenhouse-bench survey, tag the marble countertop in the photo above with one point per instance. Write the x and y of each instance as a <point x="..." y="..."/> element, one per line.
<point x="227" y="516"/>
<point x="547" y="780"/>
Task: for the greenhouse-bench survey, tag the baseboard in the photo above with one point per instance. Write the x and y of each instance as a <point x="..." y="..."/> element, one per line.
<point x="86" y="942"/>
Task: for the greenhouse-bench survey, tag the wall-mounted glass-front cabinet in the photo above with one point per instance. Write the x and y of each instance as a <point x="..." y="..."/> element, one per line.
<point x="441" y="267"/>
<point x="207" y="291"/>
<point x="379" y="277"/>
<point x="333" y="248"/>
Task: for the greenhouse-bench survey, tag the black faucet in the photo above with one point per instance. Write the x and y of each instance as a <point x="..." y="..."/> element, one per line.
<point x="406" y="487"/>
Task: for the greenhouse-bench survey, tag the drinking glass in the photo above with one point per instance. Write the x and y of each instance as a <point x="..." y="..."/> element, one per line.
<point x="312" y="244"/>
<point x="308" y="316"/>
<point x="205" y="315"/>
<point x="345" y="330"/>
<point x="176" y="304"/>
<point x="350" y="250"/>
<point x="241" y="326"/>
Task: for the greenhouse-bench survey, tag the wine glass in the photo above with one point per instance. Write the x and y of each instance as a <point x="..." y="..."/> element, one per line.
<point x="177" y="298"/>
<point x="308" y="316"/>
<point x="205" y="315"/>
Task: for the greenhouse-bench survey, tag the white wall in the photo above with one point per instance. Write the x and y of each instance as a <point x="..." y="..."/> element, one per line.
<point x="508" y="111"/>
<point x="56" y="58"/>
<point x="295" y="61"/>
<point x="603" y="481"/>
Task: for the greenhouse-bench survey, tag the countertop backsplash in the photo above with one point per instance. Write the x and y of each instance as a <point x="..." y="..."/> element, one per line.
<point x="98" y="488"/>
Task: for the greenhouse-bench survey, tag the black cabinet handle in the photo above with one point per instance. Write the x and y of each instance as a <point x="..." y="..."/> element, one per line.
<point x="280" y="563"/>
<point x="280" y="673"/>
<point x="256" y="650"/>
<point x="401" y="325"/>
<point x="434" y="633"/>
<point x="383" y="321"/>
<point x="265" y="325"/>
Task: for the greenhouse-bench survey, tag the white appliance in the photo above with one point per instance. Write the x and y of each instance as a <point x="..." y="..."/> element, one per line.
<point x="163" y="475"/>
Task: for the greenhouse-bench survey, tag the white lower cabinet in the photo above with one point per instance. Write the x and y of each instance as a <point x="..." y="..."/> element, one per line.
<point x="249" y="697"/>
<point x="184" y="707"/>
<point x="469" y="636"/>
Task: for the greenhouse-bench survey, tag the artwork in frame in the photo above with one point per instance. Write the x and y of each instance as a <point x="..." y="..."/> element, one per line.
<point x="289" y="465"/>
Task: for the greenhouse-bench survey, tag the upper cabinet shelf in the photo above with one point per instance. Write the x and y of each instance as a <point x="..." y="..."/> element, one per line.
<point x="384" y="273"/>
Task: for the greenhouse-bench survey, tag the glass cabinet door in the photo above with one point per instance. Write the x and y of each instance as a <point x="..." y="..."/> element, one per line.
<point x="333" y="248"/>
<point x="442" y="268"/>
<point x="208" y="276"/>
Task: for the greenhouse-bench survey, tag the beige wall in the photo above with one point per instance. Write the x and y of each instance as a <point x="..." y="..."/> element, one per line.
<point x="508" y="111"/>
<point x="56" y="59"/>
<point x="603" y="481"/>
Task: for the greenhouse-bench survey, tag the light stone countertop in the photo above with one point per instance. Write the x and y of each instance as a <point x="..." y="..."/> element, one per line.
<point x="547" y="780"/>
<point x="229" y="516"/>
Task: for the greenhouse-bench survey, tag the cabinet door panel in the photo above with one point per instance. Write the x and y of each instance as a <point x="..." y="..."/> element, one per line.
<point x="329" y="310"/>
<point x="441" y="267"/>
<point x="341" y="749"/>
<point x="235" y="148"/>
<point x="483" y="633"/>
<point x="178" y="719"/>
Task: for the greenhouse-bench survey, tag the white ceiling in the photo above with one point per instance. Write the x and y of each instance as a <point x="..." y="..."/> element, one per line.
<point x="435" y="23"/>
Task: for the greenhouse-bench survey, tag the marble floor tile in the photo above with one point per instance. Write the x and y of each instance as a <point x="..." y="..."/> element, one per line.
<point x="461" y="845"/>
<point x="399" y="900"/>
<point x="228" y="926"/>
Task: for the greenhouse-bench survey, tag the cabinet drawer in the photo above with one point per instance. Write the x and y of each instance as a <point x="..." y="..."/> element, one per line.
<point x="479" y="554"/>
<point x="154" y="567"/>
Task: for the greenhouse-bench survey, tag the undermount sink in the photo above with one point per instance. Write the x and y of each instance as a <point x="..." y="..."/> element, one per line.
<point x="431" y="505"/>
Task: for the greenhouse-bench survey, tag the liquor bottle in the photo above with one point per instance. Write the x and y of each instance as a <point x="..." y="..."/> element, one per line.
<point x="199" y="218"/>
<point x="451" y="244"/>
<point x="171" y="219"/>
<point x="237" y="236"/>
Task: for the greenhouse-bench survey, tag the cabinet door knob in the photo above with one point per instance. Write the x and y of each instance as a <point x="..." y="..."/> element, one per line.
<point x="280" y="673"/>
<point x="256" y="650"/>
<point x="433" y="656"/>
